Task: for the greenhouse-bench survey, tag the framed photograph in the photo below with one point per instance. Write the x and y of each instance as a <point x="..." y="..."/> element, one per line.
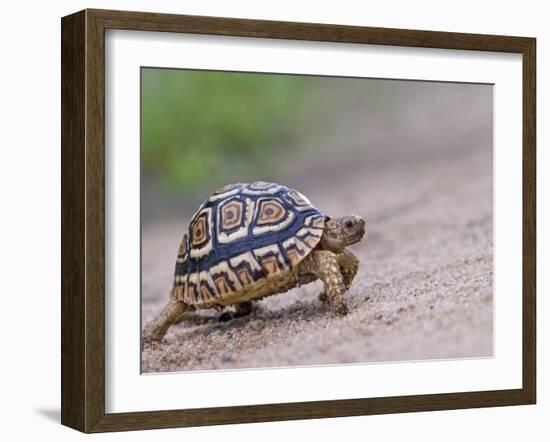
<point x="270" y="220"/>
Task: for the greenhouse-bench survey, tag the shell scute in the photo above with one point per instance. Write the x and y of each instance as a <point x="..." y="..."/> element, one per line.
<point x="241" y="236"/>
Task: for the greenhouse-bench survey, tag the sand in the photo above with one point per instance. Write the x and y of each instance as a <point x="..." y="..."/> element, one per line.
<point x="424" y="289"/>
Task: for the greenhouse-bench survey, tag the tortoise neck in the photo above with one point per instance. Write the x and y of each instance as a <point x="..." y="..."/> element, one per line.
<point x="328" y="242"/>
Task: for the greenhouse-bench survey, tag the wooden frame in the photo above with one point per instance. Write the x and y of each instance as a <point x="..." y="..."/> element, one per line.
<point x="83" y="220"/>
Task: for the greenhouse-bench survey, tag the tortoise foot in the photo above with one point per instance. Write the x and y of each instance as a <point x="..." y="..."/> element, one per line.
<point x="340" y="309"/>
<point x="226" y="316"/>
<point x="241" y="309"/>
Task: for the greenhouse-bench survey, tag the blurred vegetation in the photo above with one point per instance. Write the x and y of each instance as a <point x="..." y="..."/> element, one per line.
<point x="234" y="126"/>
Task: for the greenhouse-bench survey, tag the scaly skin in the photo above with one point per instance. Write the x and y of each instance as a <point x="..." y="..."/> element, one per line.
<point x="326" y="268"/>
<point x="329" y="261"/>
<point x="348" y="265"/>
<point x="156" y="330"/>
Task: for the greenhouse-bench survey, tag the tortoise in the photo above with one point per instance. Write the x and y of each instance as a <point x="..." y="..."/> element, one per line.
<point x="249" y="241"/>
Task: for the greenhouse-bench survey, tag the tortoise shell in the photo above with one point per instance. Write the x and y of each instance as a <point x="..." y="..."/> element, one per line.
<point x="243" y="235"/>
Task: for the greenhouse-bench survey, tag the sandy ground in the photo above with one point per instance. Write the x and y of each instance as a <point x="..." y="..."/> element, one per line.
<point x="424" y="288"/>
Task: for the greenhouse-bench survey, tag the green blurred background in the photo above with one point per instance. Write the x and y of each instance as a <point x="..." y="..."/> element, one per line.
<point x="235" y="126"/>
<point x="201" y="130"/>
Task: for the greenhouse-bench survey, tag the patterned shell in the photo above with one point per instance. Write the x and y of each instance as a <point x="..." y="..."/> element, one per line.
<point x="242" y="235"/>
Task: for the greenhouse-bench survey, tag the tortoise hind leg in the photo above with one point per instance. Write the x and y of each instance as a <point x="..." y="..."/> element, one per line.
<point x="157" y="328"/>
<point x="241" y="309"/>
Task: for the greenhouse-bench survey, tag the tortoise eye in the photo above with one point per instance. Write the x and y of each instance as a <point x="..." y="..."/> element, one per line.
<point x="349" y="224"/>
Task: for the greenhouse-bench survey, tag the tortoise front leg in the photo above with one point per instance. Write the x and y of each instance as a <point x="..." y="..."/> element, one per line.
<point x="157" y="328"/>
<point x="348" y="264"/>
<point x="326" y="268"/>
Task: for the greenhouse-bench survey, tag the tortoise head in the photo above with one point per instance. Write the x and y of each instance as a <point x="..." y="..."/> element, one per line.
<point x="342" y="232"/>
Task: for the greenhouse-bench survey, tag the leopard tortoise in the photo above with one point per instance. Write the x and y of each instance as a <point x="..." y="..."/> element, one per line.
<point x="249" y="241"/>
